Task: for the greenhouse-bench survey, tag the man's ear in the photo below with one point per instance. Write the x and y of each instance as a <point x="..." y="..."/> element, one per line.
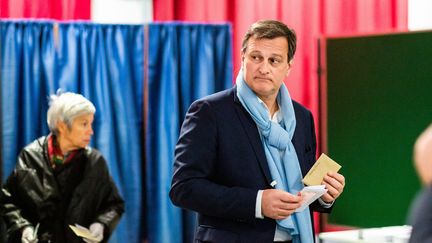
<point x="242" y="57"/>
<point x="289" y="68"/>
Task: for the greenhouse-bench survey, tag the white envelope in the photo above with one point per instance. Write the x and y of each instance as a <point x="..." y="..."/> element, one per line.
<point x="310" y="194"/>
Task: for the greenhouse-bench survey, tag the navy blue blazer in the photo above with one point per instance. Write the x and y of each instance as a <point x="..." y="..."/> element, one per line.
<point x="220" y="165"/>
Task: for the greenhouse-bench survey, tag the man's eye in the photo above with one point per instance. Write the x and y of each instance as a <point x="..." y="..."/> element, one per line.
<point x="255" y="58"/>
<point x="274" y="61"/>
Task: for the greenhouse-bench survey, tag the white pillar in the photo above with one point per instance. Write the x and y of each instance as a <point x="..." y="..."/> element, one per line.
<point x="419" y="14"/>
<point x="122" y="11"/>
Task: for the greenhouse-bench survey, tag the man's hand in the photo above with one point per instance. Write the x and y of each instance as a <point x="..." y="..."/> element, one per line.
<point x="335" y="184"/>
<point x="28" y="235"/>
<point x="96" y="229"/>
<point x="277" y="204"/>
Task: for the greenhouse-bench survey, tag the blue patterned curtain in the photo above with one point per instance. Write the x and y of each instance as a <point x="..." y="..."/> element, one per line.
<point x="185" y="62"/>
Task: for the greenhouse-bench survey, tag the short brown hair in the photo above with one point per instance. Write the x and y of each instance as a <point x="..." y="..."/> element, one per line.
<point x="270" y="29"/>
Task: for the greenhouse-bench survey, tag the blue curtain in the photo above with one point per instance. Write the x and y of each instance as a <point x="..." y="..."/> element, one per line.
<point x="105" y="63"/>
<point x="27" y="65"/>
<point x="185" y="62"/>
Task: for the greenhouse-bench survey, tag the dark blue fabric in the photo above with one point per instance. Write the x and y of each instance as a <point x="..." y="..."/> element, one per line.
<point x="185" y="62"/>
<point x="105" y="63"/>
<point x="27" y="65"/>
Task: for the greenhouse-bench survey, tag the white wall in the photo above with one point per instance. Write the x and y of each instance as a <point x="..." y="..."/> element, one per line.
<point x="122" y="11"/>
<point x="419" y="14"/>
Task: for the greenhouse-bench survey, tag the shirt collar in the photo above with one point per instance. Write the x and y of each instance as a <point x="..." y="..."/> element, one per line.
<point x="277" y="116"/>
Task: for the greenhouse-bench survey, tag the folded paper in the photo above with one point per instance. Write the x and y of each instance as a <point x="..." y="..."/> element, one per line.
<point x="309" y="195"/>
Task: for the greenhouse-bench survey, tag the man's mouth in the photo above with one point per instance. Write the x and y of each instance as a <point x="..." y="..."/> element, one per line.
<point x="263" y="78"/>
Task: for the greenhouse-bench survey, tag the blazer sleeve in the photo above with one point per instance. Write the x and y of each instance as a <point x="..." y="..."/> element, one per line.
<point x="196" y="174"/>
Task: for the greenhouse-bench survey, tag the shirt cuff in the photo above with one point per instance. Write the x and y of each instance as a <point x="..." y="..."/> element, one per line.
<point x="258" y="213"/>
<point x="324" y="204"/>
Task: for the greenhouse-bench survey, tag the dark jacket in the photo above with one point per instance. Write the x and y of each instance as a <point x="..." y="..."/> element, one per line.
<point x="80" y="192"/>
<point x="420" y="217"/>
<point x="220" y="165"/>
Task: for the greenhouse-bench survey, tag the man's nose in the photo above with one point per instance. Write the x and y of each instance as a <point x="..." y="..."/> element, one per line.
<point x="264" y="68"/>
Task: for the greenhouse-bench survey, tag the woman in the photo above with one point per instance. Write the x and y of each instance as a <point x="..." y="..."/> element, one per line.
<point x="58" y="181"/>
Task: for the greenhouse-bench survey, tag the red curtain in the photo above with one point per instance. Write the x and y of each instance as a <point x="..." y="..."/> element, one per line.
<point x="50" y="9"/>
<point x="310" y="19"/>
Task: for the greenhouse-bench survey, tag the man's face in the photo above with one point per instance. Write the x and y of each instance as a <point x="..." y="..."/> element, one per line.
<point x="265" y="65"/>
<point x="80" y="133"/>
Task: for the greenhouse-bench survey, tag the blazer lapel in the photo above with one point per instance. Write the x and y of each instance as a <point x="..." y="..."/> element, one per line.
<point x="253" y="136"/>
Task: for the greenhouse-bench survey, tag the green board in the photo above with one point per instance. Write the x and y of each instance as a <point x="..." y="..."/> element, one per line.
<point x="379" y="99"/>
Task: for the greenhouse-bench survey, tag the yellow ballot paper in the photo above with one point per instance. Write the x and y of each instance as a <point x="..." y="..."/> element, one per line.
<point x="316" y="174"/>
<point x="82" y="232"/>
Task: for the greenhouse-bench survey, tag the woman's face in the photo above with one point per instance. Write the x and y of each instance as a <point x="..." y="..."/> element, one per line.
<point x="80" y="133"/>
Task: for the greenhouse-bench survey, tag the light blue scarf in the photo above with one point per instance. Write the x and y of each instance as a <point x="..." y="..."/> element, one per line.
<point x="280" y="153"/>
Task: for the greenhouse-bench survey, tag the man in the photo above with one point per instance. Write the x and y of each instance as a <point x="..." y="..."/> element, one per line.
<point x="421" y="211"/>
<point x="242" y="152"/>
